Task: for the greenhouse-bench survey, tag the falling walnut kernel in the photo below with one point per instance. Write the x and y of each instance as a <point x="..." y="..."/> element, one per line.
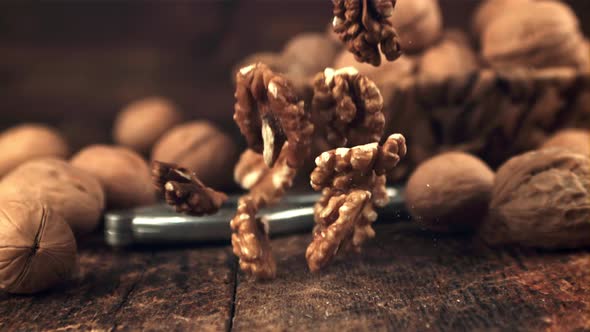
<point x="365" y="26"/>
<point x="347" y="108"/>
<point x="184" y="191"/>
<point x="352" y="181"/>
<point x="269" y="114"/>
<point x="250" y="240"/>
<point x="267" y="186"/>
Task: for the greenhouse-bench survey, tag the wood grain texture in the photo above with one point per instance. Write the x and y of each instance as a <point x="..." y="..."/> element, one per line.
<point x="408" y="279"/>
<point x="179" y="289"/>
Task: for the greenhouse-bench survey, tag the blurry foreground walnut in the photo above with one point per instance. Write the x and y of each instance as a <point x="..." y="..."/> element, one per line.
<point x="269" y="114"/>
<point x="418" y="23"/>
<point x="200" y="147"/>
<point x="139" y="125"/>
<point x="123" y="174"/>
<point x="347" y="108"/>
<point x="575" y="140"/>
<point x="38" y="248"/>
<point x="353" y="182"/>
<point x="184" y="191"/>
<point x="365" y="27"/>
<point x="29" y="141"/>
<point x="72" y="192"/>
<point x="541" y="199"/>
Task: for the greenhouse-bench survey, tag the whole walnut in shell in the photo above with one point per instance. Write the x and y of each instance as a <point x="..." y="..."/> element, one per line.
<point x="489" y="10"/>
<point x="541" y="199"/>
<point x="575" y="140"/>
<point x="418" y="23"/>
<point x="403" y="66"/>
<point x="29" y="141"/>
<point x="535" y="34"/>
<point x="308" y="53"/>
<point x="124" y="175"/>
<point x="67" y="190"/>
<point x="139" y="125"/>
<point x="202" y="148"/>
<point x="450" y="192"/>
<point x="38" y="248"/>
<point x="451" y="57"/>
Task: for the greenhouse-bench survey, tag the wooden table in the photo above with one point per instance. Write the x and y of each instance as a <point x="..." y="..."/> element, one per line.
<point x="406" y="279"/>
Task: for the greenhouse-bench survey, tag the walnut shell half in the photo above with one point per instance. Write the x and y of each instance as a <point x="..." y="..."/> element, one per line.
<point x="541" y="199"/>
<point x="38" y="248"/>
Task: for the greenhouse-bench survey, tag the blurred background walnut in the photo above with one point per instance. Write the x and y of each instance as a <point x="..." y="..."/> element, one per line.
<point x="38" y="247"/>
<point x="450" y="57"/>
<point x="139" y="125"/>
<point x="72" y="192"/>
<point x="29" y="141"/>
<point x="202" y="148"/>
<point x="489" y="10"/>
<point x="535" y="34"/>
<point x="541" y="199"/>
<point x="418" y="23"/>
<point x="449" y="192"/>
<point x="123" y="174"/>
<point x="575" y="140"/>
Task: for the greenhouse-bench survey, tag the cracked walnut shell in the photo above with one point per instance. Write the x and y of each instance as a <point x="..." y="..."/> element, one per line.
<point x="72" y="192"/>
<point x="541" y="199"/>
<point x="269" y="114"/>
<point x="365" y="27"/>
<point x="184" y="191"/>
<point x="38" y="248"/>
<point x="347" y="108"/>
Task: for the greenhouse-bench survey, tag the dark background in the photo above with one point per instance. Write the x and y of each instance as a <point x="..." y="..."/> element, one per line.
<point x="74" y="64"/>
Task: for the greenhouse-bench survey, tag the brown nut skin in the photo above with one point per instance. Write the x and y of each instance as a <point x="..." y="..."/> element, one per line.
<point x="124" y="175"/>
<point x="202" y="148"/>
<point x="449" y="192"/>
<point x="536" y="34"/>
<point x="541" y="199"/>
<point x="38" y="248"/>
<point x="72" y="192"/>
<point x="418" y="24"/>
<point x="575" y="140"/>
<point x="29" y="141"/>
<point x="139" y="125"/>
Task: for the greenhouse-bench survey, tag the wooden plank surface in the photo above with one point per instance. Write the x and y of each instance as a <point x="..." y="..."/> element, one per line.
<point x="406" y="279"/>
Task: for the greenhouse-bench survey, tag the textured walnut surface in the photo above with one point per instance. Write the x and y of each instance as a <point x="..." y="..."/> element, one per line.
<point x="365" y="28"/>
<point x="184" y="191"/>
<point x="347" y="108"/>
<point x="541" y="199"/>
<point x="352" y="181"/>
<point x="269" y="114"/>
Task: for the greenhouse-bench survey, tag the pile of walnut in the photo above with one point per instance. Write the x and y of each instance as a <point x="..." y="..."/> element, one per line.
<point x="538" y="199"/>
<point x="49" y="204"/>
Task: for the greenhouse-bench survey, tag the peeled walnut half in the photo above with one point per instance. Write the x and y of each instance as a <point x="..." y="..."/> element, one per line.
<point x="366" y="29"/>
<point x="269" y="114"/>
<point x="38" y="248"/>
<point x="347" y="108"/>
